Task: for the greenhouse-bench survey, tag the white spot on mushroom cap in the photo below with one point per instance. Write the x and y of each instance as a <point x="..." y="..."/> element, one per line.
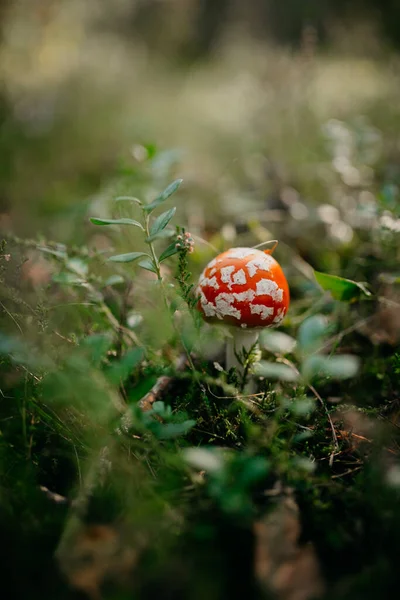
<point x="239" y="252"/>
<point x="267" y="287"/>
<point x="247" y="296"/>
<point x="226" y="275"/>
<point x="210" y="281"/>
<point x="260" y="309"/>
<point x="279" y="316"/>
<point x="208" y="307"/>
<point x="213" y="271"/>
<point x="225" y="308"/>
<point x="262" y="262"/>
<point x="240" y="277"/>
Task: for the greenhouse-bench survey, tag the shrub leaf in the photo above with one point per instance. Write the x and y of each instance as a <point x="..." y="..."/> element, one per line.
<point x="171" y="189"/>
<point x="124" y="221"/>
<point x="341" y="289"/>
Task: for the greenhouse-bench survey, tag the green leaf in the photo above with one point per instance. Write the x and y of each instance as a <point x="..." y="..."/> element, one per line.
<point x="311" y="332"/>
<point x="164" y="195"/>
<point x="277" y="342"/>
<point x="97" y="346"/>
<point x="170" y="251"/>
<point x="341" y="289"/>
<point x="204" y="459"/>
<point x="302" y="407"/>
<point x="172" y="430"/>
<point x="68" y="279"/>
<point x="114" y="280"/>
<point x="149" y="265"/>
<point x="129" y="257"/>
<point x="58" y="253"/>
<point x="343" y="366"/>
<point x="78" y="266"/>
<point x="162" y="221"/>
<point x="250" y="471"/>
<point x="120" y="371"/>
<point x="97" y="221"/>
<point x="271" y="370"/>
<point x="161" y="409"/>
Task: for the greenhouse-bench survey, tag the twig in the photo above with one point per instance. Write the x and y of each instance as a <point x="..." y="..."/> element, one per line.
<point x="64" y="338"/>
<point x="11" y="316"/>
<point x="348" y="472"/>
<point x="152" y="395"/>
<point x="57" y="498"/>
<point x="334" y="436"/>
<point x="161" y="385"/>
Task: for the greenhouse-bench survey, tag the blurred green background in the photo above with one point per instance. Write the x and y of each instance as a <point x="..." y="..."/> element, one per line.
<point x="246" y="100"/>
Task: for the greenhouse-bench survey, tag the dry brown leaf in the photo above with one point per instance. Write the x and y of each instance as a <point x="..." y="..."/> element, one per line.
<point x="98" y="553"/>
<point x="289" y="571"/>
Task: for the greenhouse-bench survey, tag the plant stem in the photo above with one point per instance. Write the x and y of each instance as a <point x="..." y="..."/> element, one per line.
<point x="155" y="260"/>
<point x="163" y="292"/>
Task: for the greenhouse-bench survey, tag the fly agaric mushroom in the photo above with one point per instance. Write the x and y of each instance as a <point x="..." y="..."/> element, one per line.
<point x="246" y="289"/>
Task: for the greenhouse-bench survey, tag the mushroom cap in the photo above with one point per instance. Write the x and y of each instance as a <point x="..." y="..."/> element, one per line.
<point x="244" y="287"/>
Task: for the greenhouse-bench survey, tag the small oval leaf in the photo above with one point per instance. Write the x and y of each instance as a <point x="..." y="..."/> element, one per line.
<point x="343" y="366"/>
<point x="277" y="342"/>
<point x="114" y="280"/>
<point x="271" y="370"/>
<point x="169" y="251"/>
<point x="341" y="289"/>
<point x="122" y="369"/>
<point x="68" y="279"/>
<point x="311" y="332"/>
<point x="164" y="195"/>
<point x="58" y="253"/>
<point x="203" y="459"/>
<point x="148" y="265"/>
<point x="97" y="221"/>
<point x="129" y="257"/>
<point x="162" y="221"/>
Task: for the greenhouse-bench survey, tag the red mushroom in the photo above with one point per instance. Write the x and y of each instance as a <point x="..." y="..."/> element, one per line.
<point x="246" y="289"/>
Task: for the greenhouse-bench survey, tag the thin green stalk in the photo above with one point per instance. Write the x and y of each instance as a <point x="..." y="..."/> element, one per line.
<point x="161" y="283"/>
<point x="155" y="260"/>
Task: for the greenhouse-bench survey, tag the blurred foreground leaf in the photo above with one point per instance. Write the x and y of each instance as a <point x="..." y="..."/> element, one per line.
<point x="271" y="370"/>
<point x="344" y="366"/>
<point x="277" y="342"/>
<point x="120" y="371"/>
<point x="311" y="333"/>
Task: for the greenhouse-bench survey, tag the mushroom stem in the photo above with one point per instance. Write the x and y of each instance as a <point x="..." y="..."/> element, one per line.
<point x="242" y="340"/>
